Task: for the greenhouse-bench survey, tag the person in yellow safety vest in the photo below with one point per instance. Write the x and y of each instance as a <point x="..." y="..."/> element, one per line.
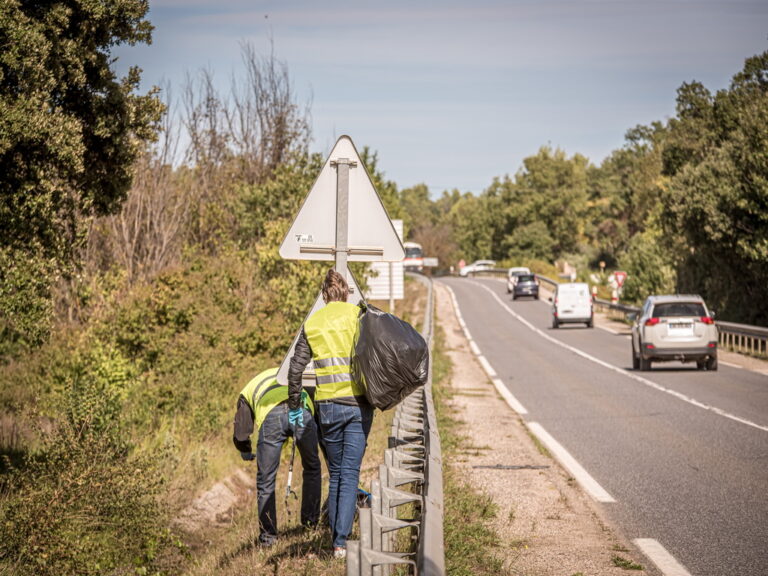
<point x="263" y="406"/>
<point x="345" y="416"/>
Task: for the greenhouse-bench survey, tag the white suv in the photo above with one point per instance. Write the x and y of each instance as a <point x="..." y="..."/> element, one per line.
<point x="676" y="327"/>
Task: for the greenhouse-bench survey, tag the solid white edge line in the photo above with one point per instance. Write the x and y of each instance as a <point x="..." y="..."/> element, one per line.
<point x="486" y="366"/>
<point x="569" y="463"/>
<point x="623" y="372"/>
<point x="511" y="401"/>
<point x="664" y="561"/>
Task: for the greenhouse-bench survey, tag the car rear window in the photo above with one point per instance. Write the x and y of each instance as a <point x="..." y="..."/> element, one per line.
<point x="676" y="309"/>
<point x="526" y="278"/>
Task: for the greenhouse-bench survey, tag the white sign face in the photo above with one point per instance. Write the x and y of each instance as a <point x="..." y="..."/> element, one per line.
<point x="380" y="285"/>
<point x="308" y="379"/>
<point x="371" y="236"/>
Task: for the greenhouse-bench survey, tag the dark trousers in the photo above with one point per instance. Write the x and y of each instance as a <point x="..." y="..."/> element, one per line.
<point x="274" y="431"/>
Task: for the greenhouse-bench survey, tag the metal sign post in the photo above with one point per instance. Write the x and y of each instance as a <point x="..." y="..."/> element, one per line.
<point x="342" y="166"/>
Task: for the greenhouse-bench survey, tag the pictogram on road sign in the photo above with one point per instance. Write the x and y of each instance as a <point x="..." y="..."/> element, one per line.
<point x="314" y="234"/>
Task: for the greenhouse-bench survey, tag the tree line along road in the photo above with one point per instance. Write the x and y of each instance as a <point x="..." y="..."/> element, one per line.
<point x="681" y="454"/>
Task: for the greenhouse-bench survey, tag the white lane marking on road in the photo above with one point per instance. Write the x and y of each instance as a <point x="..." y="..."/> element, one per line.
<point x="486" y="366"/>
<point x="664" y="561"/>
<point x="475" y="349"/>
<point x="623" y="372"/>
<point x="729" y="364"/>
<point x="569" y="463"/>
<point x="512" y="402"/>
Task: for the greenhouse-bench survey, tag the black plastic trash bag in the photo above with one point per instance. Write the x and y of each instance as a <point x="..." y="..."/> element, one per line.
<point x="390" y="360"/>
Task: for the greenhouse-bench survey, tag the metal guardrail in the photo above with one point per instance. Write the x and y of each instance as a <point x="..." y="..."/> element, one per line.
<point x="743" y="338"/>
<point x="413" y="460"/>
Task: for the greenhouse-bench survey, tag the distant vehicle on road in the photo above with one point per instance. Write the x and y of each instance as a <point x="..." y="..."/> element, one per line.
<point x="414" y="256"/>
<point x="674" y="327"/>
<point x="477" y="266"/>
<point x="512" y="275"/>
<point x="572" y="304"/>
<point x="526" y="285"/>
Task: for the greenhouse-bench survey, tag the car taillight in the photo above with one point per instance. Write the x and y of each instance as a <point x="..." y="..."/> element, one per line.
<point x="651" y="321"/>
<point x="707" y="320"/>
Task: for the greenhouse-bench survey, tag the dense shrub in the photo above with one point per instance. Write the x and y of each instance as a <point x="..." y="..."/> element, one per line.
<point x="84" y="503"/>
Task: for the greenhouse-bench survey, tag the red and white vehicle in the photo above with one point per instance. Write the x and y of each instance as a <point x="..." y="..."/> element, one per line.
<point x="414" y="256"/>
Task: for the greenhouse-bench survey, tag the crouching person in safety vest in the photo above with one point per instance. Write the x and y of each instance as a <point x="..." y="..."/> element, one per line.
<point x="263" y="406"/>
<point x="345" y="416"/>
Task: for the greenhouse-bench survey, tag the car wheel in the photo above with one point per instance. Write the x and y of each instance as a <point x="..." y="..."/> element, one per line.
<point x="555" y="323"/>
<point x="514" y="297"/>
<point x="645" y="363"/>
<point x="712" y="363"/>
<point x="591" y="323"/>
<point x="701" y="364"/>
<point x="635" y="359"/>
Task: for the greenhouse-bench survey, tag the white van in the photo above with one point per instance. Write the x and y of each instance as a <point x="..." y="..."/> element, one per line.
<point x="572" y="304"/>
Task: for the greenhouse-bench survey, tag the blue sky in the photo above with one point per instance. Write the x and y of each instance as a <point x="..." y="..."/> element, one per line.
<point x="454" y="93"/>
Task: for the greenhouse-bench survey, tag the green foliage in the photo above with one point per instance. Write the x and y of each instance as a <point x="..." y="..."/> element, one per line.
<point x="25" y="300"/>
<point x="552" y="189"/>
<point x="530" y="241"/>
<point x="69" y="133"/>
<point x="718" y="192"/>
<point x="648" y="268"/>
<point x="472" y="222"/>
<point x="66" y="506"/>
<point x="280" y="197"/>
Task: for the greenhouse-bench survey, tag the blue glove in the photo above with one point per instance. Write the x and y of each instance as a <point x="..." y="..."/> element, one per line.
<point x="248" y="456"/>
<point x="296" y="417"/>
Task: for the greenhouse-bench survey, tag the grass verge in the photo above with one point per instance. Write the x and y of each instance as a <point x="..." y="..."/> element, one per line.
<point x="470" y="542"/>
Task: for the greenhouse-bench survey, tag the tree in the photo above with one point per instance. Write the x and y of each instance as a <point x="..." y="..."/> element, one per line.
<point x="70" y="131"/>
<point x="473" y="227"/>
<point x="717" y="200"/>
<point x="550" y="189"/>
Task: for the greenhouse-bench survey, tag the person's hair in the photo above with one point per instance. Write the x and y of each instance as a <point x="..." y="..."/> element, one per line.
<point x="335" y="288"/>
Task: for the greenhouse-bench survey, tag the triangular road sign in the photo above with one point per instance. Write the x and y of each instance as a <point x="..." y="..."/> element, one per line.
<point x="371" y="236"/>
<point x="308" y="378"/>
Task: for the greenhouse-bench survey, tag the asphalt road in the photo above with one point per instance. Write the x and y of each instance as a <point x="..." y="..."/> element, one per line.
<point x="683" y="452"/>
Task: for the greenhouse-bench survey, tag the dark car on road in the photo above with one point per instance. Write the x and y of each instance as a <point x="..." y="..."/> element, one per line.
<point x="526" y="285"/>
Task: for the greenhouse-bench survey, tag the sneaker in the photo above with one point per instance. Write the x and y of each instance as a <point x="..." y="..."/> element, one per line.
<point x="339" y="553"/>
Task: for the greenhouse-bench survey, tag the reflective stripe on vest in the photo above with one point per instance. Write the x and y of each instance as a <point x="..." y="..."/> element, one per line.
<point x="330" y="333"/>
<point x="327" y="362"/>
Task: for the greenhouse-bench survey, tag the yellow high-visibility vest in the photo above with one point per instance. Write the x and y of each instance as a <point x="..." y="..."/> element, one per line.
<point x="331" y="334"/>
<point x="264" y="393"/>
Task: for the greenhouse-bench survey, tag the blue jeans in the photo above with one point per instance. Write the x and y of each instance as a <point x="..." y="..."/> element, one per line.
<point x="345" y="434"/>
<point x="273" y="433"/>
